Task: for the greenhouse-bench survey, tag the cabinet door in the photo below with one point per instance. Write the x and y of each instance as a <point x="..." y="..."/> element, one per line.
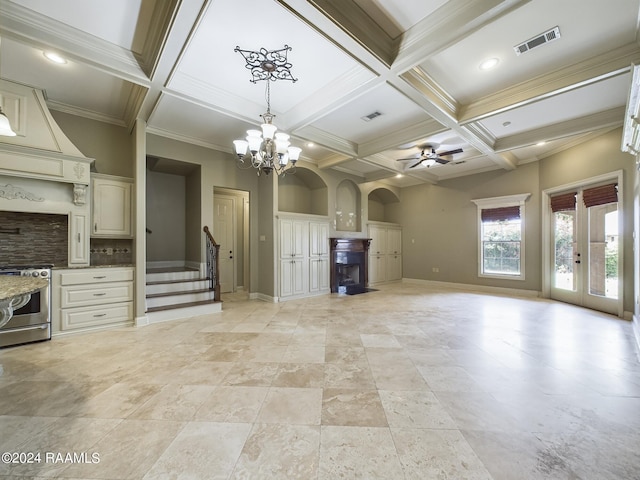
<point x="394" y="241"/>
<point x="293" y="238"/>
<point x="79" y="240"/>
<point x="111" y="207"/>
<point x="286" y="278"/>
<point x="318" y="239"/>
<point x="378" y="239"/>
<point x="318" y="274"/>
<point x="394" y="267"/>
<point x="300" y="274"/>
<point x="377" y="269"/>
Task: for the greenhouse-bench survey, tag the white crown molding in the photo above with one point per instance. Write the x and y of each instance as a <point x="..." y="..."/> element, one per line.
<point x="187" y="139"/>
<point x="328" y="140"/>
<point x="429" y="89"/>
<point x="82" y="112"/>
<point x="608" y="119"/>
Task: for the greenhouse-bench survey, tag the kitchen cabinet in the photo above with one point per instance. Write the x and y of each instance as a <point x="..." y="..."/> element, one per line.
<point x="78" y="239"/>
<point x="304" y="257"/>
<point x="385" y="253"/>
<point x="91" y="298"/>
<point x="111" y="204"/>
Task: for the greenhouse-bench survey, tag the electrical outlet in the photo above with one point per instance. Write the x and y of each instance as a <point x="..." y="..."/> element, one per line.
<point x="109" y="251"/>
<point x="435" y="269"/>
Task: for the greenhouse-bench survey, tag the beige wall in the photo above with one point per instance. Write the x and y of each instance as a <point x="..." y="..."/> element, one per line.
<point x="110" y="145"/>
<point x="166" y="217"/>
<point x="440" y="227"/>
<point x="193" y="215"/>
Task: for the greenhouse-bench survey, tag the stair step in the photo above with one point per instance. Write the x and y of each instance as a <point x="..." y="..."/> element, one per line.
<point x="161" y="275"/>
<point x="176" y="298"/>
<point x="182" y="310"/>
<point x="176" y="286"/>
<point x="182" y="305"/>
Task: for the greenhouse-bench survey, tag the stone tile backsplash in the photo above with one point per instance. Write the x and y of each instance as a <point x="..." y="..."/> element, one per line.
<point x="111" y="251"/>
<point x="33" y="238"/>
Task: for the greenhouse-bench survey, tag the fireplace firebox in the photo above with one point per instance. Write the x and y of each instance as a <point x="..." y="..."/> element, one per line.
<point x="349" y="265"/>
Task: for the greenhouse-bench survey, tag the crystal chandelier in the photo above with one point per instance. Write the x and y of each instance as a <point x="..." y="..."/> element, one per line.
<point x="267" y="150"/>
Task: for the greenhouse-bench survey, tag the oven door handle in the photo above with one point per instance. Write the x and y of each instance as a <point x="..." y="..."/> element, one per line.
<point x="24" y="329"/>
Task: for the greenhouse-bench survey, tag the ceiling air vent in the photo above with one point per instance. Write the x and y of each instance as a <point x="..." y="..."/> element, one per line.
<point x="371" y="116"/>
<point x="538" y="40"/>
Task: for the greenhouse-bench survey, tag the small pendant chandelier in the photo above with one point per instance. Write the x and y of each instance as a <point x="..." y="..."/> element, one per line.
<point x="267" y="150"/>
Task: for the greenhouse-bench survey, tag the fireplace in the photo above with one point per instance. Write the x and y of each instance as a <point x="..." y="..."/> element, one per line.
<point x="349" y="264"/>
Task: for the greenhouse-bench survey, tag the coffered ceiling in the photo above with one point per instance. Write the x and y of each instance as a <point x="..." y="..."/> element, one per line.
<point x="415" y="62"/>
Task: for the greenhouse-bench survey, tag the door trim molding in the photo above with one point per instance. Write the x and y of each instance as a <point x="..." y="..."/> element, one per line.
<point x="616" y="175"/>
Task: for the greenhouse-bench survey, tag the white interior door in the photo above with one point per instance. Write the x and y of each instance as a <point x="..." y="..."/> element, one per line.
<point x="586" y="258"/>
<point x="224" y="222"/>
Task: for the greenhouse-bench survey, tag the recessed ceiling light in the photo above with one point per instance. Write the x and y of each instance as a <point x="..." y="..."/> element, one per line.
<point x="489" y="63"/>
<point x="311" y="144"/>
<point x="55" y="58"/>
<point x="539" y="144"/>
<point x="399" y="175"/>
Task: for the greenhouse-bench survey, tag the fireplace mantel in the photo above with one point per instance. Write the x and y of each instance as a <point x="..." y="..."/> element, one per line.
<point x="358" y="247"/>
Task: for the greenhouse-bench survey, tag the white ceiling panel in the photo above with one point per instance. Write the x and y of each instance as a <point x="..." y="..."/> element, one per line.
<point x="574" y="104"/>
<point x="397" y="111"/>
<point x="117" y="21"/>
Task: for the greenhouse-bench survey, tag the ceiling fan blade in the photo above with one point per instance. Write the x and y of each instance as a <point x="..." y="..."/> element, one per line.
<point x="416" y="164"/>
<point x="409" y="158"/>
<point x="442" y="161"/>
<point x="450" y="152"/>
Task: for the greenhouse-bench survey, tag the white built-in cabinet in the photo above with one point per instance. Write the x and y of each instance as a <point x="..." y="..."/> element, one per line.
<point x="385" y="253"/>
<point x="78" y="239"/>
<point x="91" y="298"/>
<point x="111" y="204"/>
<point x="304" y="257"/>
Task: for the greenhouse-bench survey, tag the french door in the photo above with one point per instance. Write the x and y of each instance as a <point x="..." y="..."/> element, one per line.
<point x="586" y="252"/>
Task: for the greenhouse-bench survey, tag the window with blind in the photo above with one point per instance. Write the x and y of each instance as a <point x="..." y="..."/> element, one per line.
<point x="501" y="236"/>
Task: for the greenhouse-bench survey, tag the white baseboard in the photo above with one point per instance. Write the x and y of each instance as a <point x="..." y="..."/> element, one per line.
<point x="262" y="297"/>
<point x="141" y="321"/>
<point x="475" y="288"/>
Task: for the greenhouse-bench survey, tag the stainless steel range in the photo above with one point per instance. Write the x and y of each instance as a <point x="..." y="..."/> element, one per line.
<point x="32" y="322"/>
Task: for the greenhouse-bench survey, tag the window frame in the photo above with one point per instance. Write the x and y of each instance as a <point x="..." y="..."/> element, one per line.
<point x="499" y="202"/>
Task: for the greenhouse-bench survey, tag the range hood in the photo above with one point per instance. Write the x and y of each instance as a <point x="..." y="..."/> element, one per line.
<point x="40" y="150"/>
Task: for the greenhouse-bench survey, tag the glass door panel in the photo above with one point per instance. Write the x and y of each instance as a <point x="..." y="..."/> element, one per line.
<point x="564" y="250"/>
<point x="603" y="250"/>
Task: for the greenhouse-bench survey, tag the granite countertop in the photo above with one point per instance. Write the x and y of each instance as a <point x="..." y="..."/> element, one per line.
<point x="13" y="285"/>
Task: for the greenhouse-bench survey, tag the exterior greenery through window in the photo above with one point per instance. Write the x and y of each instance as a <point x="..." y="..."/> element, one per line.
<point x="501" y="236"/>
<point x="501" y="241"/>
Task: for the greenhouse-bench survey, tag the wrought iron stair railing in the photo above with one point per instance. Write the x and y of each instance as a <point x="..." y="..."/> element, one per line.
<point x="213" y="270"/>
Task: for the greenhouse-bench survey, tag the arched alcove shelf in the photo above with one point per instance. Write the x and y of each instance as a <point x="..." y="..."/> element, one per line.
<point x="303" y="192"/>
<point x="348" y="207"/>
<point x="383" y="206"/>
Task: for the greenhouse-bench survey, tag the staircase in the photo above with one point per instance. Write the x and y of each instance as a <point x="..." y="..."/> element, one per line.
<point x="173" y="293"/>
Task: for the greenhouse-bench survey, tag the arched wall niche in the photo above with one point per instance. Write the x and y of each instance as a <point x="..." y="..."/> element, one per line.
<point x="348" y="207"/>
<point x="383" y="206"/>
<point x="303" y="192"/>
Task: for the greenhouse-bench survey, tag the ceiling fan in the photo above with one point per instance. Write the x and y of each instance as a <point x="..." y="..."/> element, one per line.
<point x="429" y="156"/>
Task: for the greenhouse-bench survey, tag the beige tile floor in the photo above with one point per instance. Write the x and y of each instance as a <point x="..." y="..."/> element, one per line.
<point x="408" y="382"/>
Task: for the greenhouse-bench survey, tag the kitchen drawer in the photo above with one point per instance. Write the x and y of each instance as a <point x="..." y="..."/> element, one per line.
<point x="87" y="317"/>
<point x="84" y="295"/>
<point x="96" y="275"/>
